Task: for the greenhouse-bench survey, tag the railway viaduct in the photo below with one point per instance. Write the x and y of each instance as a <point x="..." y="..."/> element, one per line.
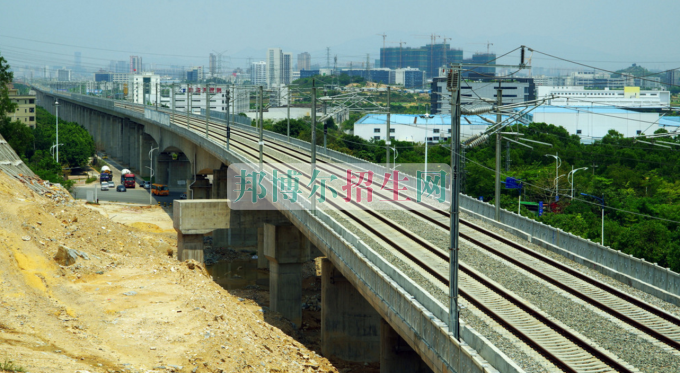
<point x="371" y="311"/>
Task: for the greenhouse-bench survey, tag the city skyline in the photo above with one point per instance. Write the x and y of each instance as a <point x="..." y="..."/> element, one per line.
<point x="609" y="42"/>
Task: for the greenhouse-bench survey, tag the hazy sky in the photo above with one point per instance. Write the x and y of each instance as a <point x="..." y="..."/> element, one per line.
<point x="604" y="33"/>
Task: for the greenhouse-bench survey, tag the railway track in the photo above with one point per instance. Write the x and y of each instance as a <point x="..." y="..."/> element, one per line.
<point x="563" y="348"/>
<point x="650" y="320"/>
<point x="646" y="318"/>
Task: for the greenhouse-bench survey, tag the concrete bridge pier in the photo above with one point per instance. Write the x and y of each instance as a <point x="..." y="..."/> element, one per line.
<point x="396" y="356"/>
<point x="126" y="135"/>
<point x="350" y="327"/>
<point x="202" y="189"/>
<point x="285" y="248"/>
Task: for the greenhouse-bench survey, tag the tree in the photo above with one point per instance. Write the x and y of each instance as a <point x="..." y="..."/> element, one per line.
<point x="6" y="76"/>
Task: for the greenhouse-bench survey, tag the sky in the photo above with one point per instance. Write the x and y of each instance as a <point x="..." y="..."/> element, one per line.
<point x="603" y="33"/>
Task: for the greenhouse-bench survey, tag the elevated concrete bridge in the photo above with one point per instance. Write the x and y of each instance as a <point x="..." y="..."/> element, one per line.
<point x="371" y="311"/>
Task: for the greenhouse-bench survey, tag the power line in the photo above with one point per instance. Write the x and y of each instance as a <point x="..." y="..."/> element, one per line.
<point x="605" y="70"/>
<point x="577" y="199"/>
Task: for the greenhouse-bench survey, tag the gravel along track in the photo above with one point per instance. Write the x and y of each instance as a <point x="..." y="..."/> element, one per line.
<point x="655" y="322"/>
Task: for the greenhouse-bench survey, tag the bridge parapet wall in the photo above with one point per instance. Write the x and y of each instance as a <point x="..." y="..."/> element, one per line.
<point x="638" y="273"/>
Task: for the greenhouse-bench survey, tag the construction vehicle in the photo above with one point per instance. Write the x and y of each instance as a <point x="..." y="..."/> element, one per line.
<point x="127" y="178"/>
<point x="105" y="174"/>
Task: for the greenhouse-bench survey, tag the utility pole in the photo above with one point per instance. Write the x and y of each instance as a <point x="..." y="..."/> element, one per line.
<point x="56" y="108"/>
<point x="151" y="174"/>
<point x="499" y="118"/>
<point x="325" y="124"/>
<point x="188" y="104"/>
<point x="313" y="144"/>
<point x="453" y="84"/>
<point x="288" y="116"/>
<point x="261" y="143"/>
<point x="507" y="157"/>
<point x="388" y="138"/>
<point x="228" y="120"/>
<point x="207" y="110"/>
<point x="172" y="97"/>
<point x="368" y="68"/>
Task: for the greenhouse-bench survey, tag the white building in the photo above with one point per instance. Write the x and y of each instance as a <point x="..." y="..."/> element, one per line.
<point x="416" y="128"/>
<point x="258" y="73"/>
<point x="142" y="88"/>
<point x="195" y="97"/>
<point x="629" y="97"/>
<point x="594" y="122"/>
<point x="279" y="67"/>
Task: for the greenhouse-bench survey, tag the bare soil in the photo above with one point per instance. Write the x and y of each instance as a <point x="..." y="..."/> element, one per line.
<point x="125" y="305"/>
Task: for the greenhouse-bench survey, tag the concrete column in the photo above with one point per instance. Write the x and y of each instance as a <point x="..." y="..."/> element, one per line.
<point x="262" y="262"/>
<point x="202" y="187"/>
<point x="285" y="249"/>
<point x="350" y="327"/>
<point x="189" y="246"/>
<point x="126" y="140"/>
<point x="396" y="356"/>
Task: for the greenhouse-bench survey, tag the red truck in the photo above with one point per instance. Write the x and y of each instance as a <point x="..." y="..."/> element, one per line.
<point x="129" y="180"/>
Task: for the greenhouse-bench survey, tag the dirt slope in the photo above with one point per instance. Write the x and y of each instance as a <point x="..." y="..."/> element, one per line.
<point x="129" y="308"/>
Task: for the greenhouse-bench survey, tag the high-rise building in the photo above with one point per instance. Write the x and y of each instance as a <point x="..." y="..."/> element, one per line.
<point x="287" y="68"/>
<point x="304" y="61"/>
<point x="77" y="64"/>
<point x="136" y="65"/>
<point x="212" y="65"/>
<point x="195" y="74"/>
<point x="482" y="72"/>
<point x="258" y="73"/>
<point x="428" y="58"/>
<point x="64" y="75"/>
<point x="279" y="67"/>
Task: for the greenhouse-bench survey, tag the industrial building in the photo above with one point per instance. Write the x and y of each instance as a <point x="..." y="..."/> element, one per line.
<point x="107" y="76"/>
<point x="594" y="122"/>
<point x="629" y="97"/>
<point x="514" y="91"/>
<point x="239" y="98"/>
<point x="418" y="128"/>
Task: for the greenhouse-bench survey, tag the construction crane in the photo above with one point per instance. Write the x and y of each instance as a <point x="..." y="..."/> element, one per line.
<point x="400" y="48"/>
<point x="488" y="45"/>
<point x="444" y="59"/>
<point x="384" y="36"/>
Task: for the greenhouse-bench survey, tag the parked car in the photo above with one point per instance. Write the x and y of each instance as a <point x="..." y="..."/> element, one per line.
<point x="121" y="188"/>
<point x="146" y="184"/>
<point x="105" y="186"/>
<point x="111" y="184"/>
<point x="183" y="196"/>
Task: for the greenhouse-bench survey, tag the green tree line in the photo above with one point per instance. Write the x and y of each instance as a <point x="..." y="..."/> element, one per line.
<point x="636" y="180"/>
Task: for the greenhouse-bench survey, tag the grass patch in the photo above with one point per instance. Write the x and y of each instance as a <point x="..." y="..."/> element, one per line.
<point x="8" y="366"/>
<point x="91" y="180"/>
